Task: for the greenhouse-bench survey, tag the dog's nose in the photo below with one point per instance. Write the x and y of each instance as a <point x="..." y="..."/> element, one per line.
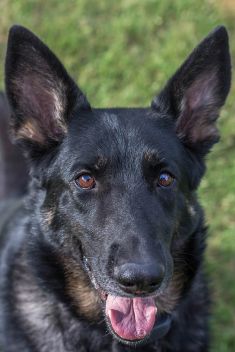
<point x="139" y="278"/>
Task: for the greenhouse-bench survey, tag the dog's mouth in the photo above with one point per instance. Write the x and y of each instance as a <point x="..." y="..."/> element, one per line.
<point x="131" y="320"/>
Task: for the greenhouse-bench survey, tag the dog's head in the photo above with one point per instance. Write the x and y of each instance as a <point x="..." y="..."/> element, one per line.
<point x="113" y="190"/>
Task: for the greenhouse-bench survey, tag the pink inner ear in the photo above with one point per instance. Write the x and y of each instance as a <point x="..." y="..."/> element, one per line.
<point x="43" y="106"/>
<point x="202" y="92"/>
<point x="199" y="110"/>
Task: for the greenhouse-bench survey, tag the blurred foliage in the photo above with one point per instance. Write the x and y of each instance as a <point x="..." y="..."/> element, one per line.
<point x="121" y="53"/>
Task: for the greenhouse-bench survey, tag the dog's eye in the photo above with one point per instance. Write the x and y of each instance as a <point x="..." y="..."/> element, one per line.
<point x="165" y="179"/>
<point x="85" y="181"/>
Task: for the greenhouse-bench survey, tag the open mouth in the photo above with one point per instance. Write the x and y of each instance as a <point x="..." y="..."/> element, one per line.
<point x="135" y="321"/>
<point x="131" y="320"/>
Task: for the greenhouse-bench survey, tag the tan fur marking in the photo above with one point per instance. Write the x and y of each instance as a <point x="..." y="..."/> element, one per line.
<point x="149" y="156"/>
<point x="100" y="163"/>
<point x="43" y="105"/>
<point x="35" y="309"/>
<point x="30" y="130"/>
<point x="85" y="298"/>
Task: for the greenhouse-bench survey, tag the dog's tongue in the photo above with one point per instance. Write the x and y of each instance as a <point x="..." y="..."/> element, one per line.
<point x="131" y="318"/>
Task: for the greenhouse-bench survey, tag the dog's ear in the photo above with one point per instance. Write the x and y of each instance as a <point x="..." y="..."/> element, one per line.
<point x="197" y="91"/>
<point x="41" y="94"/>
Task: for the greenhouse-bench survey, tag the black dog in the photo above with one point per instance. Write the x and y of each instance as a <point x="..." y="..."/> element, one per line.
<point x="106" y="251"/>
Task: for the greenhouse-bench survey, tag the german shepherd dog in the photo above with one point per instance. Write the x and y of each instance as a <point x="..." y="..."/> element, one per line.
<point x="105" y="251"/>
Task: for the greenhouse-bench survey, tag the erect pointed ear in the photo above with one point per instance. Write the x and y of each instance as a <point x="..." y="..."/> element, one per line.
<point x="41" y="94"/>
<point x="197" y="91"/>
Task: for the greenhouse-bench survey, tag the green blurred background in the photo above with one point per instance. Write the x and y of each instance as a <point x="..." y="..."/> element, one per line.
<point x="121" y="53"/>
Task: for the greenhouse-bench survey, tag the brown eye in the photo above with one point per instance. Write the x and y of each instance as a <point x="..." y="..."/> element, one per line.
<point x="165" y="179"/>
<point x="85" y="181"/>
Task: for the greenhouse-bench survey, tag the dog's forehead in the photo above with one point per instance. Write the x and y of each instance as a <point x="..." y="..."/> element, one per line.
<point x="133" y="124"/>
<point x="111" y="120"/>
<point x="127" y="126"/>
<point x="125" y="134"/>
<point x="138" y="128"/>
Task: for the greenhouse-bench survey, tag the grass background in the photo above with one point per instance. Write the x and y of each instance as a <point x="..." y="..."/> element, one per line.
<point x="121" y="53"/>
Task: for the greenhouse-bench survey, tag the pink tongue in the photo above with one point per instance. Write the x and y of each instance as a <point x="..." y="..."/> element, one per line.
<point x="131" y="318"/>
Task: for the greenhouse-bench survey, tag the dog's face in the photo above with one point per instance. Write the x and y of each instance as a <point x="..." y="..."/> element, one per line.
<point x="114" y="189"/>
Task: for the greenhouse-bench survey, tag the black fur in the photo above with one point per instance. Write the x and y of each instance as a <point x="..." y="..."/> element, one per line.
<point x="63" y="248"/>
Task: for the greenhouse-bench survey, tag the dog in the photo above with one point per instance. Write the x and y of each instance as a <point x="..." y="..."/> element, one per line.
<point x="105" y="250"/>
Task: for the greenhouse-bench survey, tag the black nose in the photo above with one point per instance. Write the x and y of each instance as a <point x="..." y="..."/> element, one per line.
<point x="139" y="278"/>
